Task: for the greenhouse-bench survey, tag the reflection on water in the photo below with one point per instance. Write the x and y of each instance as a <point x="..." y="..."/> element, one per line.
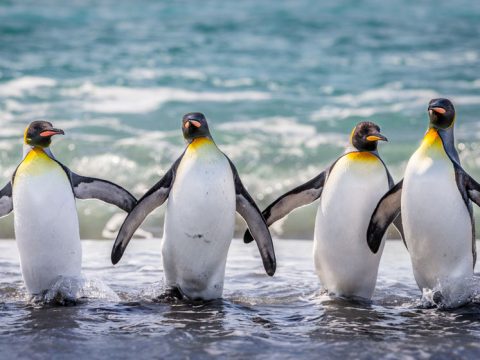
<point x="285" y="316"/>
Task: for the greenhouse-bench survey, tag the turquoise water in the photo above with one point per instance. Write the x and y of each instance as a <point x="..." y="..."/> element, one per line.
<point x="281" y="82"/>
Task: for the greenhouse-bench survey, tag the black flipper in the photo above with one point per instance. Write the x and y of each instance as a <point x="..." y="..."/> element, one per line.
<point x="300" y="196"/>
<point x="473" y="188"/>
<point x="388" y="208"/>
<point x="154" y="198"/>
<point x="247" y="208"/>
<point x="398" y="220"/>
<point x="470" y="190"/>
<point x="92" y="188"/>
<point x="84" y="187"/>
<point x="6" y="202"/>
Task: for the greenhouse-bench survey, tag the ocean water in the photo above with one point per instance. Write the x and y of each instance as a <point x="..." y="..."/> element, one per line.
<point x="284" y="317"/>
<point x="281" y="82"/>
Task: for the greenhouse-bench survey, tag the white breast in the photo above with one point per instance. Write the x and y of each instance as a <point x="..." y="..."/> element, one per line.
<point x="344" y="263"/>
<point x="436" y="221"/>
<point x="46" y="223"/>
<point x="199" y="223"/>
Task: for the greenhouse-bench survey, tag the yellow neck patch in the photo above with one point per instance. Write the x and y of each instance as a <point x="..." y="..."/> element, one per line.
<point x="432" y="141"/>
<point x="365" y="156"/>
<point x="198" y="144"/>
<point x="432" y="146"/>
<point x="35" y="163"/>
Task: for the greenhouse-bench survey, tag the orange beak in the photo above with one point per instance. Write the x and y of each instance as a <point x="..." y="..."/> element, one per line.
<point x="439" y="110"/>
<point x="193" y="122"/>
<point x="196" y="123"/>
<point x="52" y="132"/>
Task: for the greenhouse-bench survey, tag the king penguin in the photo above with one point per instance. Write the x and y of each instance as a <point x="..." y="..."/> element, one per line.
<point x="348" y="190"/>
<point x="434" y="201"/>
<point x="203" y="190"/>
<point x="42" y="195"/>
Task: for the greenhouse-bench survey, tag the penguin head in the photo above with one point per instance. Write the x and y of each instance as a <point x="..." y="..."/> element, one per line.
<point x="441" y="113"/>
<point x="194" y="125"/>
<point x="39" y="133"/>
<point x="366" y="135"/>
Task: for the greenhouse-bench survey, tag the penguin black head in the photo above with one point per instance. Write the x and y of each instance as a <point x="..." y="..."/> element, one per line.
<point x="441" y="113"/>
<point x="194" y="125"/>
<point x="39" y="133"/>
<point x="366" y="135"/>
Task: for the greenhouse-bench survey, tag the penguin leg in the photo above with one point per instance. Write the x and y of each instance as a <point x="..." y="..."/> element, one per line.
<point x="172" y="294"/>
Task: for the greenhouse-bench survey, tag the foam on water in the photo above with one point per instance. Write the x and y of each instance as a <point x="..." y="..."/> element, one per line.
<point x="282" y="85"/>
<point x="131" y="100"/>
<point x="25" y="85"/>
<point x="72" y="289"/>
<point x="451" y="294"/>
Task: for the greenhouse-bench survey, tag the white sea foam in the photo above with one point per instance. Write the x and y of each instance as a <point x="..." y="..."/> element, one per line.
<point x="429" y="59"/>
<point x="450" y="294"/>
<point x="119" y="99"/>
<point x="466" y="100"/>
<point x="329" y="112"/>
<point x="391" y="93"/>
<point x="391" y="98"/>
<point x="149" y="73"/>
<point x="73" y="288"/>
<point x="105" y="164"/>
<point x="230" y="83"/>
<point x="110" y="231"/>
<point x="292" y="133"/>
<point x="18" y="87"/>
<point x="278" y="125"/>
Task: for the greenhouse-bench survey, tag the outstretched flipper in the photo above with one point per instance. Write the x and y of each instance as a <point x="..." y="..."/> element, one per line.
<point x="6" y="202"/>
<point x="247" y="208"/>
<point x="300" y="196"/>
<point x="154" y="198"/>
<point x="388" y="208"/>
<point x="92" y="188"/>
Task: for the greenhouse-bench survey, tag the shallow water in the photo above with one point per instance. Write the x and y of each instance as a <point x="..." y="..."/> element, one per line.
<point x="259" y="316"/>
<point x="281" y="82"/>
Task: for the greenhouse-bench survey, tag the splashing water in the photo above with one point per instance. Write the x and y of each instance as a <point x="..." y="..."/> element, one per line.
<point x="285" y="316"/>
<point x="72" y="289"/>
